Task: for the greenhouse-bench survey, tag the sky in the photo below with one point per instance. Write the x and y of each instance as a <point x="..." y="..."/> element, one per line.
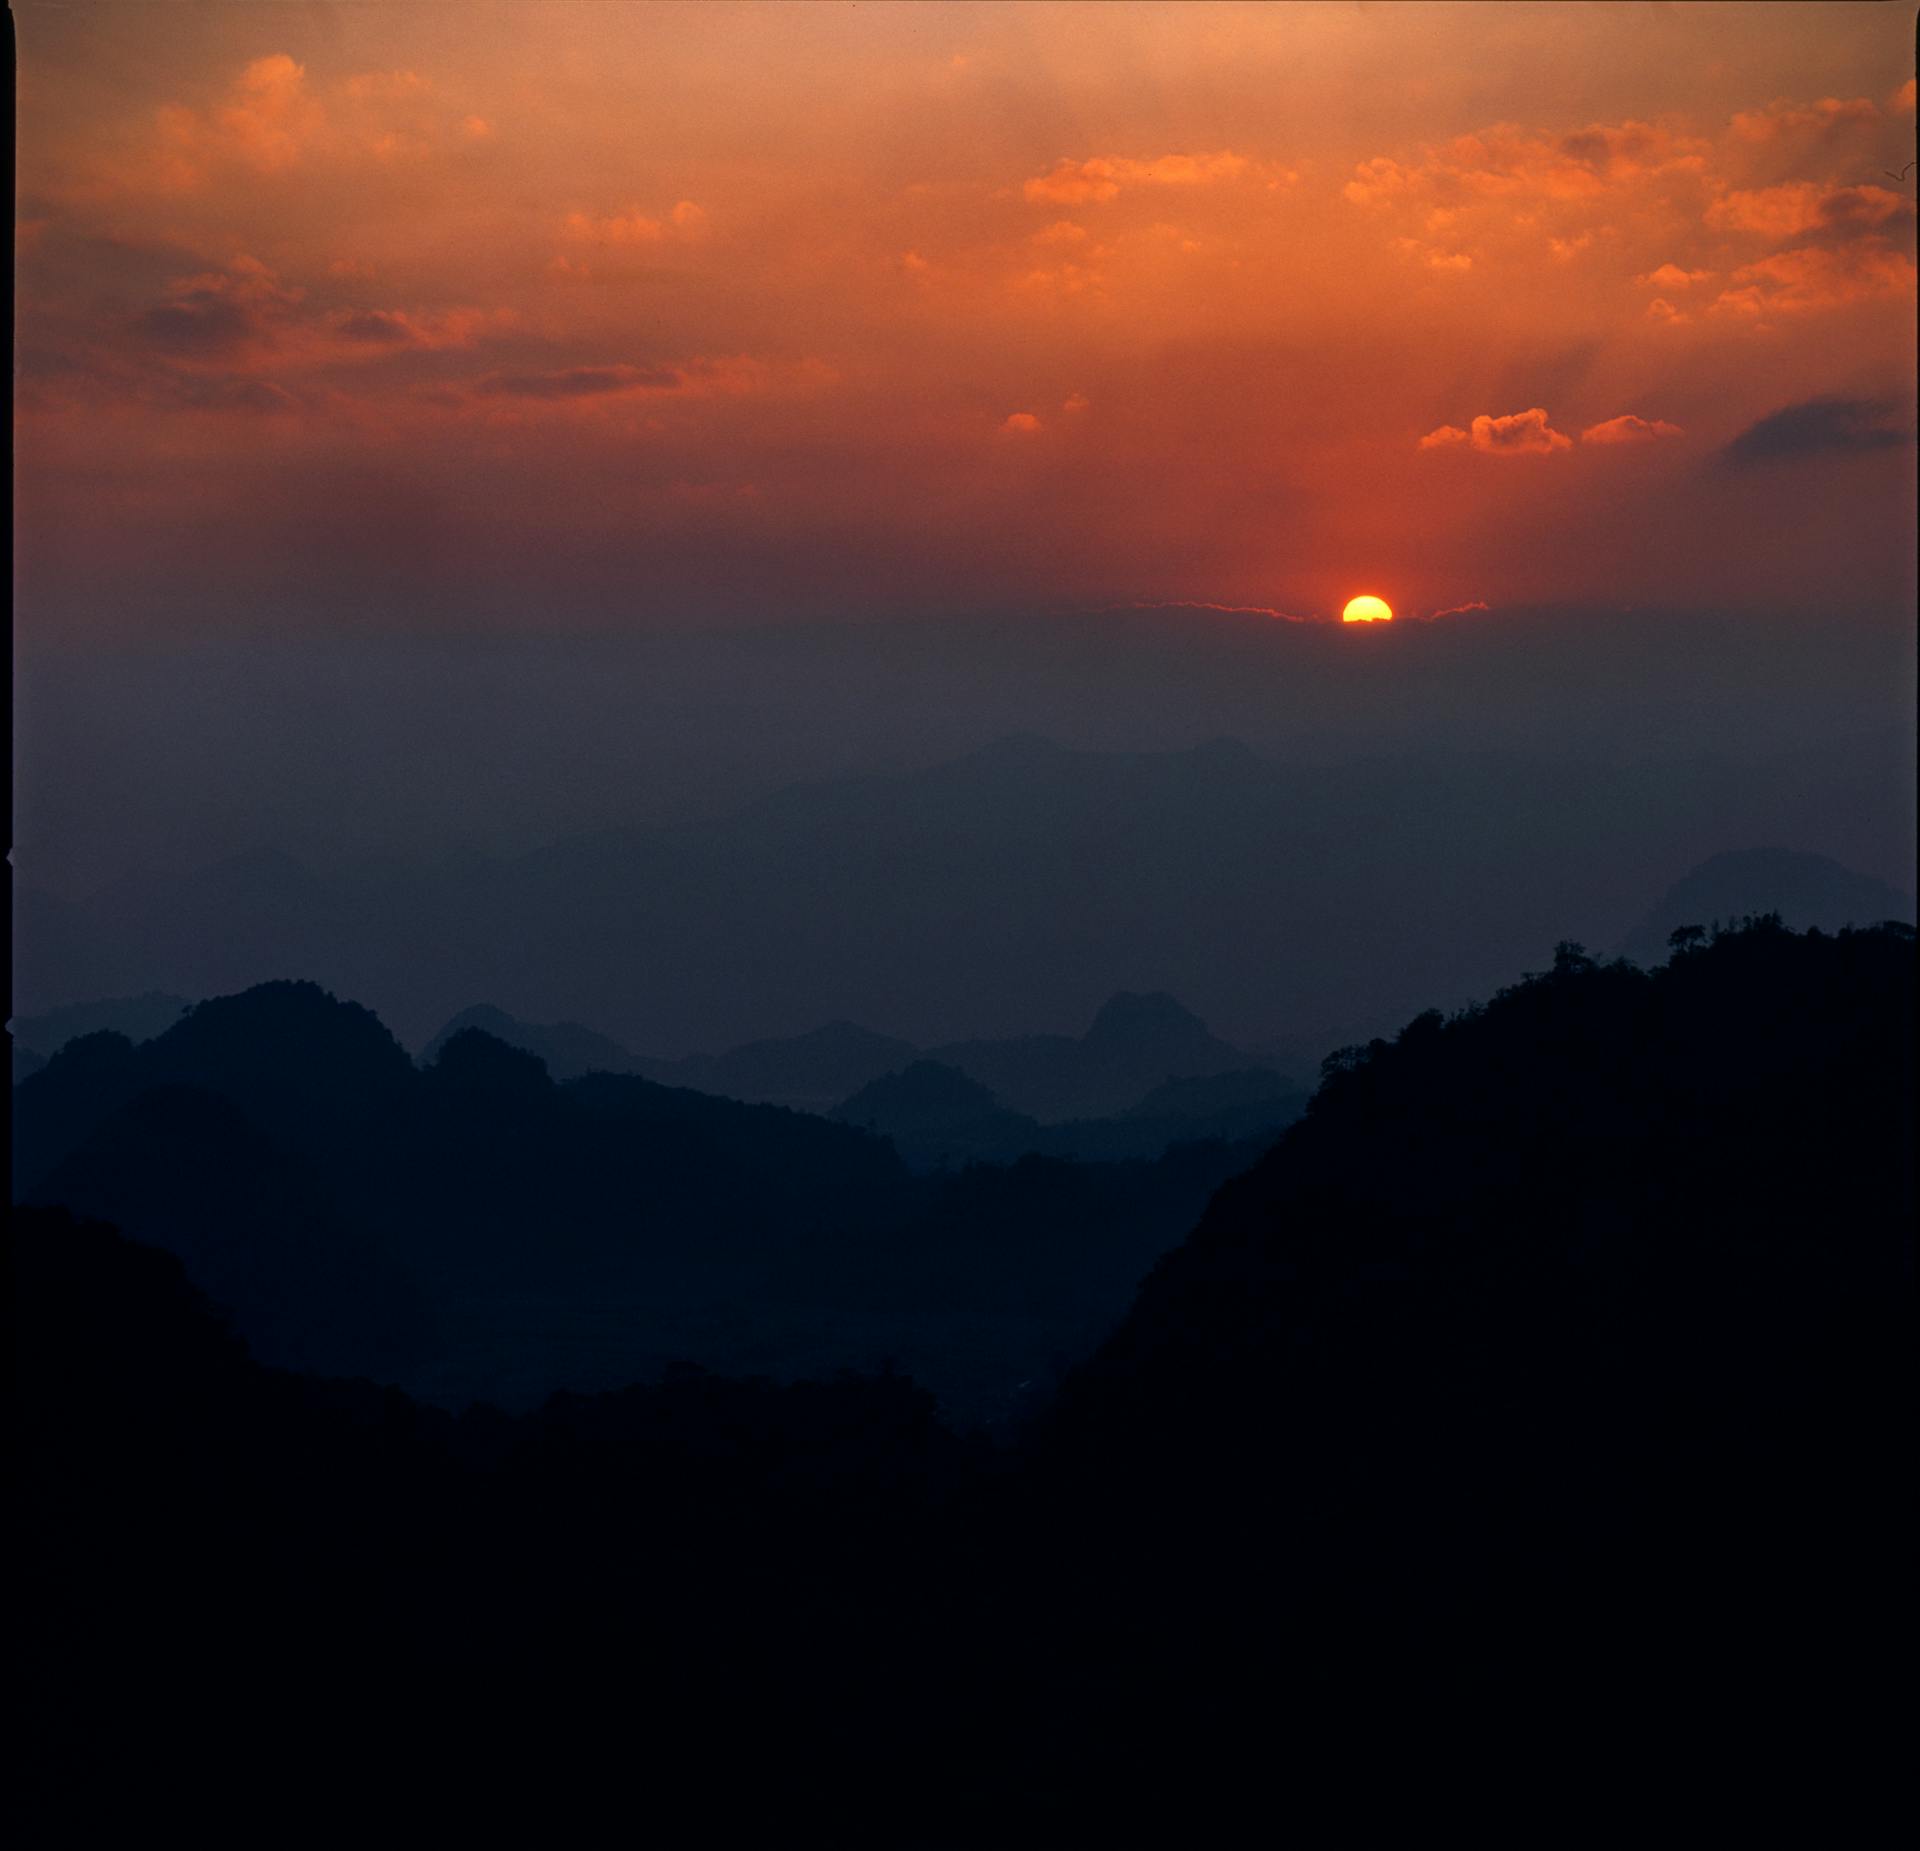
<point x="435" y="320"/>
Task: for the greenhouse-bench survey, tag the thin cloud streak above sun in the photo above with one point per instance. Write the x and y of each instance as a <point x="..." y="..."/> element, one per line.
<point x="601" y="316"/>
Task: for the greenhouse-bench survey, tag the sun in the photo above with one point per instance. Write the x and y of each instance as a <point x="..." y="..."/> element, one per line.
<point x="1367" y="609"/>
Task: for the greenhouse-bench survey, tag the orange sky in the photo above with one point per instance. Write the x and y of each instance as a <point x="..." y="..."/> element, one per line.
<point x="456" y="313"/>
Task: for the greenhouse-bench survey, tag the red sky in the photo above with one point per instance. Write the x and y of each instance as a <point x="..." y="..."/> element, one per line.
<point x="441" y="314"/>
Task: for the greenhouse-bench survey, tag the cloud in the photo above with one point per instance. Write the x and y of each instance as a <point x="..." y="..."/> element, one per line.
<point x="386" y="85"/>
<point x="459" y="327"/>
<point x="1509" y="162"/>
<point x="1781" y="118"/>
<point x="1061" y="231"/>
<point x="1629" y="429"/>
<point x="1460" y="610"/>
<point x="1020" y="424"/>
<point x="1901" y="102"/>
<point x="1101" y="177"/>
<point x="1671" y="276"/>
<point x="1076" y="403"/>
<point x="1798" y="206"/>
<point x="1434" y="259"/>
<point x="1814" y="278"/>
<point x="228" y="393"/>
<point x="1378" y="181"/>
<point x="270" y="119"/>
<point x="580" y="382"/>
<point x="631" y="228"/>
<point x="219" y="311"/>
<point x="724" y="376"/>
<point x="1520" y="433"/>
<point x="1816" y="427"/>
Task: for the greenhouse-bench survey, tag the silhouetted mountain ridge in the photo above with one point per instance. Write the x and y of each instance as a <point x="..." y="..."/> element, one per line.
<point x="1804" y="890"/>
<point x="992" y="891"/>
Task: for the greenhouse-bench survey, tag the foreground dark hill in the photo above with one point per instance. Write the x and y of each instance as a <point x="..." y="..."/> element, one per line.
<point x="1574" y="1330"/>
<point x="1526" y="1437"/>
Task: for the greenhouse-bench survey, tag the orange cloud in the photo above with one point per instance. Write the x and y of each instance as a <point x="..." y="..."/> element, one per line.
<point x="1075" y="183"/>
<point x="1798" y="206"/>
<point x="686" y="220"/>
<point x="1902" y="99"/>
<point x="1671" y="276"/>
<point x="1509" y="162"/>
<point x="1520" y="433"/>
<point x="1782" y="117"/>
<point x="433" y="331"/>
<point x="1816" y="278"/>
<point x="1433" y="258"/>
<point x="219" y="313"/>
<point x="1020" y="424"/>
<point x="385" y="85"/>
<point x="1629" y="429"/>
<point x="1660" y="309"/>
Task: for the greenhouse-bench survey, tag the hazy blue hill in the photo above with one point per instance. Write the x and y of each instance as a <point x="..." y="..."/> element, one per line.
<point x="55" y="957"/>
<point x="585" y="1233"/>
<point x="809" y="1072"/>
<point x="26" y="1063"/>
<point x="139" y="1018"/>
<point x="1805" y="890"/>
<point x="1009" y="890"/>
<point x="1205" y="1096"/>
<point x="568" y="1049"/>
<point x="936" y="1115"/>
<point x="1134" y="1044"/>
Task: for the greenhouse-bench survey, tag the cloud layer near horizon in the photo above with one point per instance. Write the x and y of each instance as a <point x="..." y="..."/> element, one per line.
<point x="594" y="314"/>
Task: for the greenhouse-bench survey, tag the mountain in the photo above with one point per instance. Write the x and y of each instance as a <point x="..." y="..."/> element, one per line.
<point x="1548" y="1384"/>
<point x="475" y="1228"/>
<point x="1136" y="1043"/>
<point x="1805" y="890"/>
<point x="1616" y="1249"/>
<point x="255" y="1227"/>
<point x="808" y="1072"/>
<point x="139" y="1018"/>
<point x="567" y="1049"/>
<point x="936" y="1115"/>
<point x="1010" y="889"/>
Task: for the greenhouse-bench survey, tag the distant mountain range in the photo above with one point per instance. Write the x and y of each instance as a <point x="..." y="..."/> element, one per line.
<point x="1135" y="1044"/>
<point x="470" y="1226"/>
<point x="1013" y="888"/>
<point x="1805" y="890"/>
<point x="937" y="1117"/>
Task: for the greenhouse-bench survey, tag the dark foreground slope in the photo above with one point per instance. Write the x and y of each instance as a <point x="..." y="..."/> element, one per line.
<point x="1547" y="1387"/>
<point x="1521" y="1448"/>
